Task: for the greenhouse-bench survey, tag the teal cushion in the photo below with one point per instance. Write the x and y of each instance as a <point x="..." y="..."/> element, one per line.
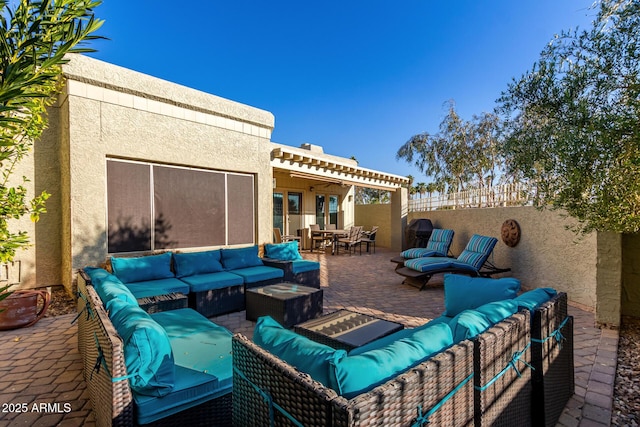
<point x="152" y="288"/>
<point x="147" y="351"/>
<point x="108" y="286"/>
<point x="428" y="264"/>
<point x="303" y="265"/>
<point x="304" y="354"/>
<point x="283" y="251"/>
<point x="531" y="300"/>
<point x="363" y="372"/>
<point x="259" y="274"/>
<point x="143" y="268"/>
<point x="192" y="263"/>
<point x="206" y="282"/>
<point x="470" y="323"/>
<point x="419" y="252"/>
<point x="463" y="292"/>
<point x="477" y="251"/>
<point x="235" y="258"/>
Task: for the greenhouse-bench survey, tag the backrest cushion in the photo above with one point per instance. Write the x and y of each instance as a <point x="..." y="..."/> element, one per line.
<point x="304" y="354"/>
<point x="147" y="350"/>
<point x="463" y="292"/>
<point x="283" y="251"/>
<point x="108" y="286"/>
<point x="140" y="269"/>
<point x="235" y="258"/>
<point x="470" y="323"/>
<point x="477" y="250"/>
<point x="363" y="372"/>
<point x="535" y="298"/>
<point x="193" y="263"/>
<point x="440" y="241"/>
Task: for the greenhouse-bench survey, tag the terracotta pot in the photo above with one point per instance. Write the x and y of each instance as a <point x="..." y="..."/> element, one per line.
<point x="20" y="309"/>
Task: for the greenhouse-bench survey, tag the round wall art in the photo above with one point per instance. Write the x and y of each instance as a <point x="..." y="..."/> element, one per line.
<point x="510" y="232"/>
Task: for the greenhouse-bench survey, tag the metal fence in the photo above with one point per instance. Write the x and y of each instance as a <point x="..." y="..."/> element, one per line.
<point x="491" y="197"/>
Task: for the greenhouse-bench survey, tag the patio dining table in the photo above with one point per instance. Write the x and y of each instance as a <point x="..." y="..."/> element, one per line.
<point x="334" y="235"/>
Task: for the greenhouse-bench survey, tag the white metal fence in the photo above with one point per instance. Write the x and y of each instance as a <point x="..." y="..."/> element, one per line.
<point x="502" y="195"/>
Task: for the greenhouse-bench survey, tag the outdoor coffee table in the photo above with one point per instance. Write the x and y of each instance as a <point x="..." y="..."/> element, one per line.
<point x="287" y="303"/>
<point x="346" y="329"/>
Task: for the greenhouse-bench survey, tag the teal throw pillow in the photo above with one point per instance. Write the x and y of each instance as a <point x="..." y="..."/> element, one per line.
<point x="147" y="350"/>
<point x="531" y="300"/>
<point x="283" y="251"/>
<point x="193" y="263"/>
<point x="140" y="269"/>
<point x="236" y="258"/>
<point x="363" y="372"/>
<point x="463" y="292"/>
<point x="304" y="354"/>
<point x="108" y="286"/>
<point x="470" y="323"/>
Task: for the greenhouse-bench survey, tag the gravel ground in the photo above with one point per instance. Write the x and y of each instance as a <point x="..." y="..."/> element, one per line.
<point x="626" y="399"/>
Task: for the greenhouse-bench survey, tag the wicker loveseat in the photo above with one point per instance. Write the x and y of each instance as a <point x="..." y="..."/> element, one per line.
<point x="486" y="380"/>
<point x="190" y="383"/>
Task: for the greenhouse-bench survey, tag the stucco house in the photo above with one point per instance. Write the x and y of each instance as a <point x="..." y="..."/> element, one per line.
<point x="136" y="164"/>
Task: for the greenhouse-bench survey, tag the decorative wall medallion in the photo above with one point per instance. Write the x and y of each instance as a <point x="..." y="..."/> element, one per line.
<point x="510" y="232"/>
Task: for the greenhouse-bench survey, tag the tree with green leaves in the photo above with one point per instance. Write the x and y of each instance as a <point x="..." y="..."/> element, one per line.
<point x="36" y="35"/>
<point x="573" y="122"/>
<point x="462" y="155"/>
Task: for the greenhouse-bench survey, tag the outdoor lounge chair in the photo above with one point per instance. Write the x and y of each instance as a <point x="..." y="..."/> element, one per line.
<point x="438" y="245"/>
<point x="472" y="261"/>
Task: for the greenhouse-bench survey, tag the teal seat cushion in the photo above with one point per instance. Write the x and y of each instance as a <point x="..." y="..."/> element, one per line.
<point x="304" y="354"/>
<point x="463" y="292"/>
<point x="360" y="373"/>
<point x="419" y="252"/>
<point x="303" y="265"/>
<point x="472" y="322"/>
<point x="287" y="251"/>
<point x="139" y="269"/>
<point x="531" y="300"/>
<point x="191" y="389"/>
<point x="192" y="263"/>
<point x="476" y="252"/>
<point x="108" y="286"/>
<point x="152" y="288"/>
<point x="428" y="264"/>
<point x="147" y="352"/>
<point x="235" y="258"/>
<point x="258" y="274"/>
<point x="198" y="343"/>
<point x="206" y="282"/>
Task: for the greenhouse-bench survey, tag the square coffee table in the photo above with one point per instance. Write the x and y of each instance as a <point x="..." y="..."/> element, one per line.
<point x="346" y="329"/>
<point x="287" y="303"/>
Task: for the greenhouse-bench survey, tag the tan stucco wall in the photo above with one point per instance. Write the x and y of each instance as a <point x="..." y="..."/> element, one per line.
<point x="548" y="254"/>
<point x="380" y="215"/>
<point x="631" y="275"/>
<point x="108" y="111"/>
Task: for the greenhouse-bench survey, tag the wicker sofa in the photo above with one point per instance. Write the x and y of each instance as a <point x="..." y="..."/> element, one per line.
<point x="192" y="386"/>
<point x="481" y="381"/>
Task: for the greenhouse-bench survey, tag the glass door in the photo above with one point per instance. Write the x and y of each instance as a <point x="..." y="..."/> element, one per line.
<point x="287" y="217"/>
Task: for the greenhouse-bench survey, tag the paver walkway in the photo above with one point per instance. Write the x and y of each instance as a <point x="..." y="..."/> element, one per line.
<point x="41" y="381"/>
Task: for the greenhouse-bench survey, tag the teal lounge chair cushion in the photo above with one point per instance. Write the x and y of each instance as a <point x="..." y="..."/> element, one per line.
<point x="108" y="286"/>
<point x="304" y="354"/>
<point x="463" y="292"/>
<point x="419" y="252"/>
<point x="362" y="372"/>
<point x="147" y="351"/>
<point x="143" y="268"/>
<point x="236" y="258"/>
<point x="531" y="300"/>
<point x="427" y="264"/>
<point x="476" y="252"/>
<point x="287" y="251"/>
<point x="207" y="282"/>
<point x="192" y="263"/>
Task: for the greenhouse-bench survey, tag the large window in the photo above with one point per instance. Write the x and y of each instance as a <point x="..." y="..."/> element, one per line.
<point x="152" y="207"/>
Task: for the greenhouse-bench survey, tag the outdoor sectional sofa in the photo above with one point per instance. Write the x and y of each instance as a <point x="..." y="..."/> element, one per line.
<point x="478" y="374"/>
<point x="166" y="368"/>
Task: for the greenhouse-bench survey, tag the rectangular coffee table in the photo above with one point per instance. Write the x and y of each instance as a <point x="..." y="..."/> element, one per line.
<point x="287" y="303"/>
<point x="346" y="329"/>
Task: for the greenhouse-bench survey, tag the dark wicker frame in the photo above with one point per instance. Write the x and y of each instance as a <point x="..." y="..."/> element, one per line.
<point x="287" y="312"/>
<point x="112" y="401"/>
<point x="307" y="278"/>
<point x="214" y="302"/>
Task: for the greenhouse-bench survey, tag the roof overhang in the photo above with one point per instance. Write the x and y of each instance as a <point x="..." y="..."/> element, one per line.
<point x="301" y="163"/>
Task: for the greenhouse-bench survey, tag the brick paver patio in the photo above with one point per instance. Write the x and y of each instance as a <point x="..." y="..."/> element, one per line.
<point x="41" y="381"/>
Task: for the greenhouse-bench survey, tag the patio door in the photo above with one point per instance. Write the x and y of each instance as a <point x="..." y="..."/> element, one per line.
<point x="327" y="208"/>
<point x="287" y="216"/>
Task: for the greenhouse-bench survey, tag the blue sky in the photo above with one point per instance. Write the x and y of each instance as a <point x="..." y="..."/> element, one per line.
<point x="356" y="77"/>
